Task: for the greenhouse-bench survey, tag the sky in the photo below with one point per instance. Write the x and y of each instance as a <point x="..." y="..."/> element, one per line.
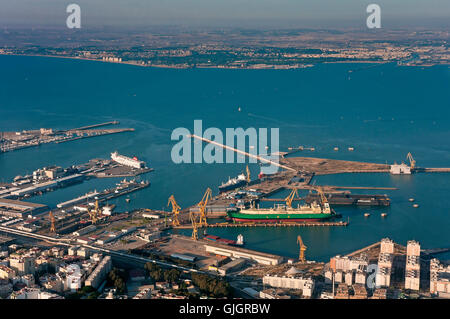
<point x="227" y="13"/>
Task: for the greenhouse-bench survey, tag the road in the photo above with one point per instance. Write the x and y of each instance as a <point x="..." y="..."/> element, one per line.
<point x="112" y="253"/>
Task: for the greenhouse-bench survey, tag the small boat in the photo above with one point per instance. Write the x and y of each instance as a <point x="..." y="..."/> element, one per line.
<point x="411" y="199"/>
<point x="351" y="149"/>
<point x="336" y="148"/>
<point x="366" y="214"/>
<point x="416" y="205"/>
<point x="127" y="200"/>
<point x="383" y="214"/>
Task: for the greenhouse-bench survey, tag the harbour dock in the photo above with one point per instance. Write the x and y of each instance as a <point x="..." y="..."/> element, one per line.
<point x="95" y="125"/>
<point x="12" y="141"/>
<point x="287" y="224"/>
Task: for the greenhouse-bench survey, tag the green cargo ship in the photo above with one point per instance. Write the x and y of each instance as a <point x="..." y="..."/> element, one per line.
<point x="282" y="213"/>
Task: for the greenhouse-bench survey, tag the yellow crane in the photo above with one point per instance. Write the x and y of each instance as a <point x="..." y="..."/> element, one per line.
<point x="411" y="160"/>
<point x="291" y="197"/>
<point x="52" y="223"/>
<point x="301" y="256"/>
<point x="94" y="213"/>
<point x="192" y="217"/>
<point x="175" y="210"/>
<point x="202" y="207"/>
<point x="323" y="198"/>
<point x="248" y="174"/>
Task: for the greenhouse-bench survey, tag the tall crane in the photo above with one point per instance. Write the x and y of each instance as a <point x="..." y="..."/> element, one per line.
<point x="291" y="197"/>
<point x="202" y="206"/>
<point x="248" y="174"/>
<point x="193" y="218"/>
<point x="411" y="160"/>
<point x="323" y="198"/>
<point x="175" y="210"/>
<point x="301" y="255"/>
<point x="52" y="223"/>
<point x="94" y="213"/>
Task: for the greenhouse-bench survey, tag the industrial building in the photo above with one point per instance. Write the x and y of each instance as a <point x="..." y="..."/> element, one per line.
<point x="85" y="230"/>
<point x="20" y="209"/>
<point x="34" y="189"/>
<point x="78" y="200"/>
<point x="232" y="266"/>
<point x="235" y="252"/>
<point x="400" y="169"/>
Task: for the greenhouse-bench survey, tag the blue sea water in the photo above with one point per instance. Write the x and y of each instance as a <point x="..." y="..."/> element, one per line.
<point x="383" y="111"/>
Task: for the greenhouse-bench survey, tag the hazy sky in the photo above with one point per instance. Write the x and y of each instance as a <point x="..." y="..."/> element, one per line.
<point x="278" y="13"/>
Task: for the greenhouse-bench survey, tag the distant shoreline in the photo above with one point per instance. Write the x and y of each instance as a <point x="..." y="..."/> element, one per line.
<point x="162" y="66"/>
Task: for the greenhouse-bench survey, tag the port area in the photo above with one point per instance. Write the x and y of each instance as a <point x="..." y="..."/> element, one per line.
<point x="299" y="177"/>
<point x="53" y="177"/>
<point x="204" y="253"/>
<point x="68" y="216"/>
<point x="12" y="141"/>
<point x="102" y="168"/>
<point x="322" y="166"/>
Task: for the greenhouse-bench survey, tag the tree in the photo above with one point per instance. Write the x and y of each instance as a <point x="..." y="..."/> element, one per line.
<point x="172" y="275"/>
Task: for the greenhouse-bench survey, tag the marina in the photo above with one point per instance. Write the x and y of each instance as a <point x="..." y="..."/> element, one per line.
<point x="11" y="141"/>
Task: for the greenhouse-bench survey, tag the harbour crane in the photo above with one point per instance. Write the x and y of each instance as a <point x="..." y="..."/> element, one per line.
<point x="192" y="217"/>
<point x="248" y="174"/>
<point x="291" y="197"/>
<point x="323" y="199"/>
<point x="301" y="256"/>
<point x="202" y="207"/>
<point x="175" y="210"/>
<point x="411" y="161"/>
<point x="52" y="223"/>
<point x="94" y="213"/>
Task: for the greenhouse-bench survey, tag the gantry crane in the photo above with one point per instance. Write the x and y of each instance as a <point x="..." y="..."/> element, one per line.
<point x="301" y="255"/>
<point x="247" y="170"/>
<point x="193" y="218"/>
<point x="52" y="223"/>
<point x="291" y="197"/>
<point x="411" y="160"/>
<point x="202" y="207"/>
<point x="94" y="213"/>
<point x="175" y="210"/>
<point x="323" y="198"/>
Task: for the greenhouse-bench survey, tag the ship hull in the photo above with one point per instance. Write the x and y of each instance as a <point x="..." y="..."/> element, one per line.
<point x="231" y="187"/>
<point x="277" y="218"/>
